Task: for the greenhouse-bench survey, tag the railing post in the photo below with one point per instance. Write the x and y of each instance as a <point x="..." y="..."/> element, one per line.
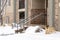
<point x="26" y="10"/>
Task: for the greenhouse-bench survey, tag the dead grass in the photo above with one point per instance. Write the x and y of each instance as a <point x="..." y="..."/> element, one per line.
<point x="49" y="30"/>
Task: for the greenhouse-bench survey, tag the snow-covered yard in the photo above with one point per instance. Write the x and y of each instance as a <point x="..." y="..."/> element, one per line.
<point x="34" y="36"/>
<point x="28" y="35"/>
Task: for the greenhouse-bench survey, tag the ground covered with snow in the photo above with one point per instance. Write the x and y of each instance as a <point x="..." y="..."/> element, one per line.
<point x="33" y="36"/>
<point x="7" y="33"/>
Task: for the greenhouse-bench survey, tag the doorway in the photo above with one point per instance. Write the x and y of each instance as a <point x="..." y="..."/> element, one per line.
<point x="38" y="7"/>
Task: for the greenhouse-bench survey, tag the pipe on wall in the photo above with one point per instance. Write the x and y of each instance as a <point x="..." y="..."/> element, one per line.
<point x="51" y="12"/>
<point x="14" y="1"/>
<point x="26" y="9"/>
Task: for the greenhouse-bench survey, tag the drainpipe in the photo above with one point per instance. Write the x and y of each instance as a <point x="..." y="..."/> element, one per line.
<point x="51" y="13"/>
<point x="26" y="9"/>
<point x="14" y="11"/>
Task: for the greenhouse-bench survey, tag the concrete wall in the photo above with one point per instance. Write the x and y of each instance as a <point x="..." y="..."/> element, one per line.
<point x="29" y="8"/>
<point x="9" y="13"/>
<point x="17" y="12"/>
<point x="38" y="4"/>
<point x="57" y="15"/>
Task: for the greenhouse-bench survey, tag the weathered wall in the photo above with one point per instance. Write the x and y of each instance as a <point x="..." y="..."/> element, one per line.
<point x="57" y="15"/>
<point x="17" y="13"/>
<point x="41" y="19"/>
<point x="29" y="8"/>
<point x="9" y="13"/>
<point x="38" y="4"/>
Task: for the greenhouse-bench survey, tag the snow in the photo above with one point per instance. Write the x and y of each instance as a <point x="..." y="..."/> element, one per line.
<point x="35" y="36"/>
<point x="31" y="29"/>
<point x="29" y="35"/>
<point x="6" y="30"/>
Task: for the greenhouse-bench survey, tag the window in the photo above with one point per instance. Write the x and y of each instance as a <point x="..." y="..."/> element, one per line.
<point x="21" y="4"/>
<point x="21" y="15"/>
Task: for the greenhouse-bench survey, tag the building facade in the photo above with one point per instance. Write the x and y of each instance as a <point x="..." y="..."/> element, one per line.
<point x="10" y="12"/>
<point x="17" y="10"/>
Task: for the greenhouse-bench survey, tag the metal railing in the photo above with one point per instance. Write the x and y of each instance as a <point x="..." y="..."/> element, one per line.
<point x="28" y="19"/>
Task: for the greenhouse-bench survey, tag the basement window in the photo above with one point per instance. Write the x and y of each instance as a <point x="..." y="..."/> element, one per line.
<point x="21" y="15"/>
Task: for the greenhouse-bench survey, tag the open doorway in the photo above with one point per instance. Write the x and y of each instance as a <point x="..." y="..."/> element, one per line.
<point x="38" y="7"/>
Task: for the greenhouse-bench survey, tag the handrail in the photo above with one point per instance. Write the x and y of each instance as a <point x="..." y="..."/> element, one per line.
<point x="28" y="17"/>
<point x="34" y="17"/>
<point x="24" y="22"/>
